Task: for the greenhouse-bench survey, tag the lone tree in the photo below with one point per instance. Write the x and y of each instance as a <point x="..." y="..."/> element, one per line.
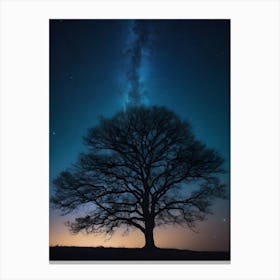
<point x="138" y="172"/>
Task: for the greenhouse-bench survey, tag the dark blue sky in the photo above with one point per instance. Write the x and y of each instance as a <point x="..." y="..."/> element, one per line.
<point x="186" y="69"/>
<point x="188" y="72"/>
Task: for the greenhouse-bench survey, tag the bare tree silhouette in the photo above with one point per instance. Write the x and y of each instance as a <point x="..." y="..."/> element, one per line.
<point x="138" y="172"/>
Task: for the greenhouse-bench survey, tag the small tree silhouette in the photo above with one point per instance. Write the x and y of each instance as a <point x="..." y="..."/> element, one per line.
<point x="137" y="173"/>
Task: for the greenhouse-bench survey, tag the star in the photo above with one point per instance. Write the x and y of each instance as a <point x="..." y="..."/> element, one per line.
<point x="53" y="133"/>
<point x="224" y="220"/>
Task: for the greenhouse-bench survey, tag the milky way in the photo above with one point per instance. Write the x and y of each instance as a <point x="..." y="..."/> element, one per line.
<point x="137" y="57"/>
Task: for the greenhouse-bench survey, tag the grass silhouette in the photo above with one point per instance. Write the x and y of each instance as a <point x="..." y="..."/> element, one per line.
<point x="64" y="253"/>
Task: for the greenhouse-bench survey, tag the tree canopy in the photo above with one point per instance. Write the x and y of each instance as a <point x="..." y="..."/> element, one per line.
<point x="144" y="168"/>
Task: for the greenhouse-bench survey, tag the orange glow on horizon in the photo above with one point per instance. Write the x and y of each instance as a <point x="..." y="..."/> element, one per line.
<point x="213" y="236"/>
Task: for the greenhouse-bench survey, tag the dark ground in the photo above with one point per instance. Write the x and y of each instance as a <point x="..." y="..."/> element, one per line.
<point x="124" y="254"/>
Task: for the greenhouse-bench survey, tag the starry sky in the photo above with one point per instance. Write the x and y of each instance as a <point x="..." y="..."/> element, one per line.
<point x="99" y="67"/>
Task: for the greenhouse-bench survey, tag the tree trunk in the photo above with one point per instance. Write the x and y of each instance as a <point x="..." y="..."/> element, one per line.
<point x="149" y="235"/>
<point x="149" y="220"/>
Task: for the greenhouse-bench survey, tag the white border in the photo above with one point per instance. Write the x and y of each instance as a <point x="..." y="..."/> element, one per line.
<point x="254" y="145"/>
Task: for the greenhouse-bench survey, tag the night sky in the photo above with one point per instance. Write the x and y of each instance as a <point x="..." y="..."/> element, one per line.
<point x="181" y="64"/>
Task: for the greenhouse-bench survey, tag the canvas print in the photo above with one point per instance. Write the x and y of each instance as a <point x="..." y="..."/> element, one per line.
<point x="139" y="140"/>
